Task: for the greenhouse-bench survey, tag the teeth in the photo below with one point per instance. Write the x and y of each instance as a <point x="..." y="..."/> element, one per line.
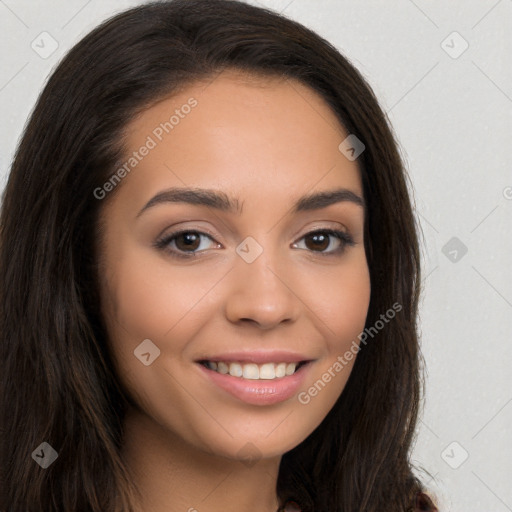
<point x="235" y="370"/>
<point x="267" y="371"/>
<point x="249" y="371"/>
<point x="281" y="370"/>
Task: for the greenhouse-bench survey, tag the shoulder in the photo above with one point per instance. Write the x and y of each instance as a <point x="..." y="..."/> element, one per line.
<point x="423" y="504"/>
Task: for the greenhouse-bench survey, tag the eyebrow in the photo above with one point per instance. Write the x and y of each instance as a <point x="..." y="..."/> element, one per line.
<point x="221" y="201"/>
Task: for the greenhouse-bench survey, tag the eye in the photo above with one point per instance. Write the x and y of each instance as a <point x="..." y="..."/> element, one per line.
<point x="322" y="239"/>
<point x="182" y="244"/>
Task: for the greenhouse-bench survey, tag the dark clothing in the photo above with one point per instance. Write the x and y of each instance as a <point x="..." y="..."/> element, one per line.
<point x="423" y="504"/>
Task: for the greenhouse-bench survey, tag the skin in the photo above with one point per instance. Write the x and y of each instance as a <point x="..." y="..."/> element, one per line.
<point x="267" y="142"/>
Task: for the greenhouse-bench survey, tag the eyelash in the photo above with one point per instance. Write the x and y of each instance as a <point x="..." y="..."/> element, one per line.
<point x="163" y="243"/>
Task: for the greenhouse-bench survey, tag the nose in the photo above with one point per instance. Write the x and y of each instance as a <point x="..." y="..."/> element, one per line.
<point x="261" y="293"/>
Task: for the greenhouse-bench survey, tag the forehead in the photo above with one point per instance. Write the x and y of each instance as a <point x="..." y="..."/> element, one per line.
<point x="249" y="134"/>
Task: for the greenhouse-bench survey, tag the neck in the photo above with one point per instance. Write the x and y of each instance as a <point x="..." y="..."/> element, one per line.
<point x="174" y="476"/>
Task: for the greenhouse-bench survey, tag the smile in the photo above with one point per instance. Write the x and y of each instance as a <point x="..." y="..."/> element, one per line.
<point x="255" y="388"/>
<point x="252" y="371"/>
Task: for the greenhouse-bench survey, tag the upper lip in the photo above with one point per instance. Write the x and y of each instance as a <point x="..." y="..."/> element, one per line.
<point x="258" y="357"/>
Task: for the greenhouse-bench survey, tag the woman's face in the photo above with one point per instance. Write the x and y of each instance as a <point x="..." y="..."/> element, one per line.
<point x="241" y="284"/>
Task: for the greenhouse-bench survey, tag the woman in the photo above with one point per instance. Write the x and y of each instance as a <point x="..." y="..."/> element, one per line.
<point x="275" y="364"/>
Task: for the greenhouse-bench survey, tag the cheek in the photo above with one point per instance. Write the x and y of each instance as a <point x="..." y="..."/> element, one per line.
<point x="340" y="297"/>
<point x="336" y="303"/>
<point x="340" y="314"/>
<point x="149" y="299"/>
<point x="352" y="301"/>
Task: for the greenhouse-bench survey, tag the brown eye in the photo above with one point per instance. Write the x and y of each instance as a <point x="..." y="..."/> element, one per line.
<point x="320" y="240"/>
<point x="187" y="240"/>
<point x="183" y="244"/>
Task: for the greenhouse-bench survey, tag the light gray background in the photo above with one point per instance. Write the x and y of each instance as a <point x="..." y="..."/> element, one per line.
<point x="452" y="116"/>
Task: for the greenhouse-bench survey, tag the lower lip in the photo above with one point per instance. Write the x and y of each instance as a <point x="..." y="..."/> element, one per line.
<point x="258" y="392"/>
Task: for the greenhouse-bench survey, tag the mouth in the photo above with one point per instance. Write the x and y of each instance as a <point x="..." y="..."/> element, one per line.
<point x="253" y="371"/>
<point x="262" y="384"/>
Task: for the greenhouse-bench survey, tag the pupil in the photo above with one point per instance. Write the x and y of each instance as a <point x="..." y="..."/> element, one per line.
<point x="189" y="240"/>
<point x="316" y="241"/>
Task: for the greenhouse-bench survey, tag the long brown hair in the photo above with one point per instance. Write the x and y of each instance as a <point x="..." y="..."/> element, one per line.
<point x="57" y="379"/>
